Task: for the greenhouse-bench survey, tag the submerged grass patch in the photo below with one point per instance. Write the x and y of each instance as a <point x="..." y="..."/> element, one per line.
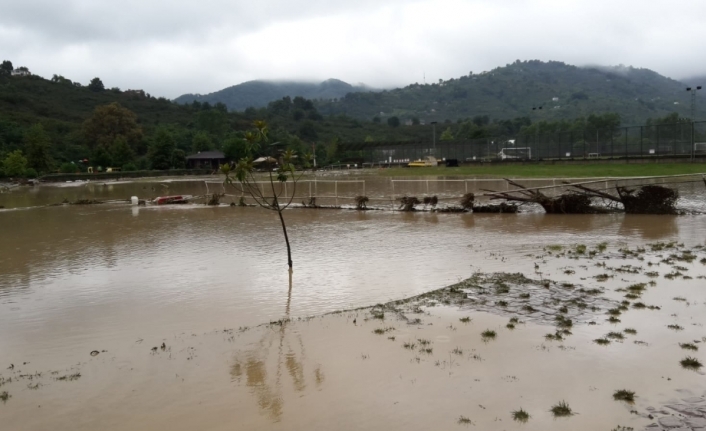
<point x="465" y="319"/>
<point x="691" y="363"/>
<point x="520" y="415"/>
<point x="624" y="395"/>
<point x="689" y="346"/>
<point x="4" y="396"/>
<point x="462" y="420"/>
<point x="488" y="334"/>
<point x="561" y="409"/>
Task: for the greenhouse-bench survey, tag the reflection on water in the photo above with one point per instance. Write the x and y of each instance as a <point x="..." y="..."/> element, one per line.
<point x="650" y="227"/>
<point x="275" y="349"/>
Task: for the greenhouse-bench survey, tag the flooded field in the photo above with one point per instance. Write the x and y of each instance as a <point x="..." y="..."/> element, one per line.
<point x="116" y="317"/>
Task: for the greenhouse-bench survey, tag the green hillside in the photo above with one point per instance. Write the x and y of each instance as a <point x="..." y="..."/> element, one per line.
<point x="563" y="91"/>
<point x="258" y="94"/>
<point x="52" y="124"/>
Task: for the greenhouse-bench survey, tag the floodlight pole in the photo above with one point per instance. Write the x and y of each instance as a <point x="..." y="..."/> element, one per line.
<point x="693" y="91"/>
<point x="433" y="137"/>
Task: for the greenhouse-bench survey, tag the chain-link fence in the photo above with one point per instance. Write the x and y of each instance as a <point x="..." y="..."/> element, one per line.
<point x="679" y="140"/>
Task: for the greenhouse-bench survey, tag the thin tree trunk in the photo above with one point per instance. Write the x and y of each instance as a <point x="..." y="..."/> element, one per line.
<point x="275" y="204"/>
<point x="286" y="238"/>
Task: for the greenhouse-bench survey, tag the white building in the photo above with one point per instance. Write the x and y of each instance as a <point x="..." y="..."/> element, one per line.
<point x="21" y="71"/>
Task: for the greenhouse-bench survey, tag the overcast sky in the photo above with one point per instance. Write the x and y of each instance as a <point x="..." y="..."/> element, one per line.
<point x="171" y="47"/>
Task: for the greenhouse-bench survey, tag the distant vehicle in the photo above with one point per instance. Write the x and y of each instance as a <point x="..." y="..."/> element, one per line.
<point x="521" y="153"/>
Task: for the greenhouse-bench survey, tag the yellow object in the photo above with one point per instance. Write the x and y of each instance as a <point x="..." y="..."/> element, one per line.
<point x="417" y="164"/>
<point x="428" y="161"/>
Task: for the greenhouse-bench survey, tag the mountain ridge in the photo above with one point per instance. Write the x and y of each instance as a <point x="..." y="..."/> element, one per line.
<point x="515" y="90"/>
<point x="258" y="93"/>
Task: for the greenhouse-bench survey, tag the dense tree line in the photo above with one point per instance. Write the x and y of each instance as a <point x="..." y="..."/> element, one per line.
<point x="60" y="125"/>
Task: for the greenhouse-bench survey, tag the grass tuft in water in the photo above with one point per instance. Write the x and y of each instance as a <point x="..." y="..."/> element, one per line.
<point x="561" y="409"/>
<point x="464" y="420"/>
<point x="4" y="396"/>
<point x="488" y="334"/>
<point x="689" y="346"/>
<point x="613" y="319"/>
<point x="624" y="395"/>
<point x="409" y="346"/>
<point x="457" y="351"/>
<point x="675" y="327"/>
<point x="616" y="335"/>
<point x="602" y="341"/>
<point x="630" y="331"/>
<point x="510" y="326"/>
<point x="691" y="363"/>
<point x="465" y="319"/>
<point x="520" y="416"/>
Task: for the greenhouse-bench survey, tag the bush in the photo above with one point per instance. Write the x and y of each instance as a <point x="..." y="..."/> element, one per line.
<point x="68" y="168"/>
<point x="31" y="173"/>
<point x="129" y="167"/>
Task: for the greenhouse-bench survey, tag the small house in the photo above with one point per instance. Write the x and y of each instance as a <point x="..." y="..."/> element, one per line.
<point x="205" y="160"/>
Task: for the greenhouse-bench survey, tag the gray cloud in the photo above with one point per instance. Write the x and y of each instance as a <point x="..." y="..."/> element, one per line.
<point x="173" y="47"/>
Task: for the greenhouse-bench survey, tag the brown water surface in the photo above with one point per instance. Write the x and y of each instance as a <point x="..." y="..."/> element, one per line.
<point x="112" y="277"/>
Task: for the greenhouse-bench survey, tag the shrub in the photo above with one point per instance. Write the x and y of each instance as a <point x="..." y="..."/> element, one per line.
<point x="68" y="168"/>
<point x="129" y="167"/>
<point x="31" y="173"/>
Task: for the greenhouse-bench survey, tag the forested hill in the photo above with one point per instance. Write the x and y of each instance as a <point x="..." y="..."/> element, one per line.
<point x="258" y="94"/>
<point x="563" y="91"/>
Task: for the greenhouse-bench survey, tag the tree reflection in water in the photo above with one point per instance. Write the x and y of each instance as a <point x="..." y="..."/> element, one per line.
<point x="263" y="366"/>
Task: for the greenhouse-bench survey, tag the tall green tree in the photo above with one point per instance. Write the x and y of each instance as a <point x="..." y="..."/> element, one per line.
<point x="162" y="149"/>
<point x="393" y="122"/>
<point x="37" y="144"/>
<point x="121" y="152"/>
<point x="108" y="122"/>
<point x="179" y="159"/>
<point x="96" y="85"/>
<point x="447" y="135"/>
<point x="235" y="148"/>
<point x="6" y="67"/>
<point x="201" y="142"/>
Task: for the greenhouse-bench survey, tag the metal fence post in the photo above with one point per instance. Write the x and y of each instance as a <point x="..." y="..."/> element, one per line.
<point x="627" y="160"/>
<point x="693" y="142"/>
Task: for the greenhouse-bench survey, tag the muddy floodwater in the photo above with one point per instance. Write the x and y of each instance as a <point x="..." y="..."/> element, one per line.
<point x="115" y="317"/>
